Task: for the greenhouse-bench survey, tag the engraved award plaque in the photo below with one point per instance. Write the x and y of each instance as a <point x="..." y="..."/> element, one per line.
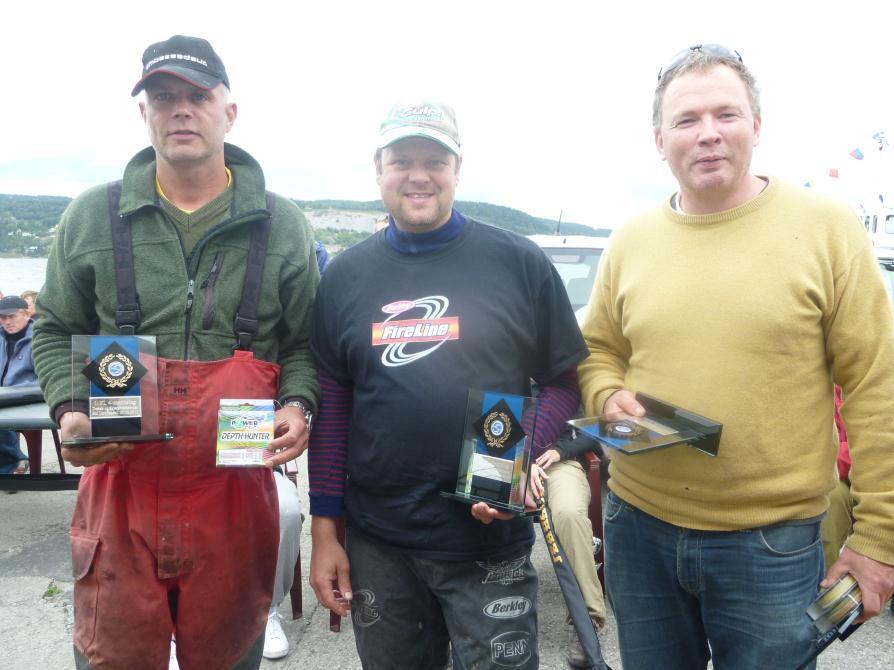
<point x="663" y="425"/>
<point x="114" y="377"/>
<point x="496" y="450"/>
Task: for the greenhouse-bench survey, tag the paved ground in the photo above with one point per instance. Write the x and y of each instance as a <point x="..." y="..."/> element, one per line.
<point x="36" y="616"/>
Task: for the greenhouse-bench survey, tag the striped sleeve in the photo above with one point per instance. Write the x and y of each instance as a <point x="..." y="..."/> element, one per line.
<point x="328" y="449"/>
<point x="557" y="402"/>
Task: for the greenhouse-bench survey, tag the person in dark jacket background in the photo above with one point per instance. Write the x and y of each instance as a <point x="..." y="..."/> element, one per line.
<point x="16" y="369"/>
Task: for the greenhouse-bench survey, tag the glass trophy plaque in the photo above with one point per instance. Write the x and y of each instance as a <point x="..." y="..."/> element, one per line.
<point x="496" y="450"/>
<point x="115" y="378"/>
<point x="663" y="425"/>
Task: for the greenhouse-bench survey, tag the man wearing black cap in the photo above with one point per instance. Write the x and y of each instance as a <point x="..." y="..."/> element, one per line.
<point x="223" y="277"/>
<point x="16" y="369"/>
<point x="405" y="324"/>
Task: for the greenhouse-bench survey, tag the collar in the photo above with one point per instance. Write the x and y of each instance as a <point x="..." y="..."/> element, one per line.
<point x="420" y="243"/>
<point x="161" y="192"/>
<point x="138" y="188"/>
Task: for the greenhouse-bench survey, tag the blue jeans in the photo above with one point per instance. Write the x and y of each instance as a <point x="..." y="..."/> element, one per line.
<point x="10" y="452"/>
<point x="682" y="596"/>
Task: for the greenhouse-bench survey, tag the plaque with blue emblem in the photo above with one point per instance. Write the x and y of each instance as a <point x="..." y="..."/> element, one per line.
<point x="663" y="425"/>
<point x="495" y="456"/>
<point x="114" y="377"/>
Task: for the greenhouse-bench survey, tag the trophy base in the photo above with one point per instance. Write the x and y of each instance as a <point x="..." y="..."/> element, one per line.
<point x="87" y="441"/>
<point x="505" y="507"/>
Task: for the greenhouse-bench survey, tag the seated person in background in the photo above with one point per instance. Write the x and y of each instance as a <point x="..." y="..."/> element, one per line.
<point x="30" y="297"/>
<point x="291" y="519"/>
<point x="568" y="493"/>
<point x="276" y="644"/>
<point x="16" y="369"/>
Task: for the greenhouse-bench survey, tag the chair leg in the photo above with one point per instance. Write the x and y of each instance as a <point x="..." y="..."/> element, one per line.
<point x="595" y="510"/>
<point x="58" y="444"/>
<point x="295" y="594"/>
<point x="33" y="438"/>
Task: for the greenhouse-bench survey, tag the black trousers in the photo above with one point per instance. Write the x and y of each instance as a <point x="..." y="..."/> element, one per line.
<point x="408" y="612"/>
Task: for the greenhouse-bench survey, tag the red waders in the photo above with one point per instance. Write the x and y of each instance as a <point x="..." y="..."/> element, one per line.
<point x="162" y="539"/>
<point x="164" y="519"/>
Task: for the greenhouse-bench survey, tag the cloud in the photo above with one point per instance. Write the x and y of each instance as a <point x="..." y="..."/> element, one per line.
<point x="553" y="100"/>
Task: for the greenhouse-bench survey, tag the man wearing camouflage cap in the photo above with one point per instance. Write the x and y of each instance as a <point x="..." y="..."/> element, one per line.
<point x="405" y="324"/>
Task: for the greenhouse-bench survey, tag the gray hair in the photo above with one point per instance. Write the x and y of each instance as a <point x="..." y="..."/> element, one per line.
<point x="698" y="61"/>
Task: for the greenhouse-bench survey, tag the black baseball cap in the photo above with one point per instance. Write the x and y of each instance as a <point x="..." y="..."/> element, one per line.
<point x="11" y="304"/>
<point x="191" y="59"/>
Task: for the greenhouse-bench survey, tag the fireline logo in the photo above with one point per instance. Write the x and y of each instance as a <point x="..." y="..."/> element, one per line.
<point x="402" y="338"/>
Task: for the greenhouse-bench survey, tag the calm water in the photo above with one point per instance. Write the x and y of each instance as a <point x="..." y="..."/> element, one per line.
<point x="22" y="274"/>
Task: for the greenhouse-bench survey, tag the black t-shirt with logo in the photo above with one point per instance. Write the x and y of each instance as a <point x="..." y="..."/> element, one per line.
<point x="413" y="334"/>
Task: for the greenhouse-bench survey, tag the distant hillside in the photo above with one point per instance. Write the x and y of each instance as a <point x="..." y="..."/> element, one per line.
<point x="496" y="215"/>
<point x="27" y="222"/>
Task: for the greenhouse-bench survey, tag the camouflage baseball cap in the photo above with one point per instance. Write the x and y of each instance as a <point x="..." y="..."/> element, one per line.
<point x="433" y="120"/>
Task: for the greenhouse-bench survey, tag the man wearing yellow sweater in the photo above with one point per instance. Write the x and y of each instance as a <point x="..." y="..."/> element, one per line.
<point x="742" y="299"/>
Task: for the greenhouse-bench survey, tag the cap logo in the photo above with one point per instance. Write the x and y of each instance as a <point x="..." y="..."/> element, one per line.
<point x="424" y="110"/>
<point x="186" y="57"/>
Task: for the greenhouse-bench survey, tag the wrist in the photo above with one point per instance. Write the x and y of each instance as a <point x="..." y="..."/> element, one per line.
<point x="302" y="406"/>
<point x="67" y="407"/>
<point x="323" y="528"/>
<point x="604" y="397"/>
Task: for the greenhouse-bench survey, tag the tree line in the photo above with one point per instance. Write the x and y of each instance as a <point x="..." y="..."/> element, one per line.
<point x="496" y="215"/>
<point x="27" y="222"/>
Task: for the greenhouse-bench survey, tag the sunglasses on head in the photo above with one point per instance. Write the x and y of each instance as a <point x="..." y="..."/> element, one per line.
<point x="709" y="49"/>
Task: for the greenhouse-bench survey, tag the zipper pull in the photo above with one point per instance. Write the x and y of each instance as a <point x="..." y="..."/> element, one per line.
<point x="190" y="293"/>
<point x="215" y="269"/>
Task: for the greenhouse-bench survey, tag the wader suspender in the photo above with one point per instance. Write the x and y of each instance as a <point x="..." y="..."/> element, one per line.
<point x="245" y="324"/>
<point x="127" y="312"/>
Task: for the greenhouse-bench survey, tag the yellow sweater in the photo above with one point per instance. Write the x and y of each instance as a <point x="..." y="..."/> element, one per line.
<point x="746" y="316"/>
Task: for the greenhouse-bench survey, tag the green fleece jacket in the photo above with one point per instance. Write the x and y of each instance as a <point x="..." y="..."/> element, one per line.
<point x="79" y="296"/>
<point x="747" y="316"/>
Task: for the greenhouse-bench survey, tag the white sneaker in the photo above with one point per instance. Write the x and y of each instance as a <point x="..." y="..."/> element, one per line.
<point x="276" y="644"/>
<point x="172" y="663"/>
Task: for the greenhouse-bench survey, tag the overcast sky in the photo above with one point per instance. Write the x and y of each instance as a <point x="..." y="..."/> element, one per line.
<point x="553" y="99"/>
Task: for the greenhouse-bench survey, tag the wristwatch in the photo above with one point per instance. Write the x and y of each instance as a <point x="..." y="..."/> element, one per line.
<point x="308" y="414"/>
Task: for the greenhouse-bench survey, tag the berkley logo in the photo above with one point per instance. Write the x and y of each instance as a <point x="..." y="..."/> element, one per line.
<point x="397" y="307"/>
<point x="511" y="649"/>
<point x="401" y="337"/>
<point x="507" y="608"/>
